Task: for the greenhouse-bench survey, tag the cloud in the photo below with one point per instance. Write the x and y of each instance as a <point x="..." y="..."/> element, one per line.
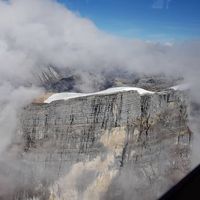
<point x="161" y="4"/>
<point x="36" y="33"/>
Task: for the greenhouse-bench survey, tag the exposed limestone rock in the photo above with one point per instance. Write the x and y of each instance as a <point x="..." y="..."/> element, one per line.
<point x="114" y="146"/>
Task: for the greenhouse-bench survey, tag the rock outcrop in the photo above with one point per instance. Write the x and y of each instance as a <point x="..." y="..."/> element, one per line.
<point x="113" y="146"/>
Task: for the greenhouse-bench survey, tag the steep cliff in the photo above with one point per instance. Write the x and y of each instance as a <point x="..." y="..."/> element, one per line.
<point x="122" y="145"/>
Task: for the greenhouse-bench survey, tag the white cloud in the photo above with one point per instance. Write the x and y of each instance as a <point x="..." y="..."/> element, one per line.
<point x="35" y="33"/>
<point x="160" y="4"/>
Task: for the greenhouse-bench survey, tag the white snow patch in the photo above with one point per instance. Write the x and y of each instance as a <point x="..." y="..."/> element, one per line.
<point x="69" y="95"/>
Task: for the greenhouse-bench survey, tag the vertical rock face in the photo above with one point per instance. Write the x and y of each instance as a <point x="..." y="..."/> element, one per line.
<point x="114" y="146"/>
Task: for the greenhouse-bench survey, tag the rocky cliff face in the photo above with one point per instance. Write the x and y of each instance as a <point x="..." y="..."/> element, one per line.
<point x="115" y="146"/>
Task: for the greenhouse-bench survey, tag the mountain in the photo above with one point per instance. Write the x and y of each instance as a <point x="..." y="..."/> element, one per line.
<point x="117" y="144"/>
<point x="54" y="79"/>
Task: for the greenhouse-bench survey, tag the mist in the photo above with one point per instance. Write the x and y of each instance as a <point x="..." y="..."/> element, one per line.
<point x="37" y="33"/>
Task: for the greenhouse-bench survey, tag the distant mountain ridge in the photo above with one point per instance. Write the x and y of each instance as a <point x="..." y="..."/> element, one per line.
<point x="65" y="80"/>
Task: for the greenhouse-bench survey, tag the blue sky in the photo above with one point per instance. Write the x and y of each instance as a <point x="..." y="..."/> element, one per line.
<point x="145" y="19"/>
